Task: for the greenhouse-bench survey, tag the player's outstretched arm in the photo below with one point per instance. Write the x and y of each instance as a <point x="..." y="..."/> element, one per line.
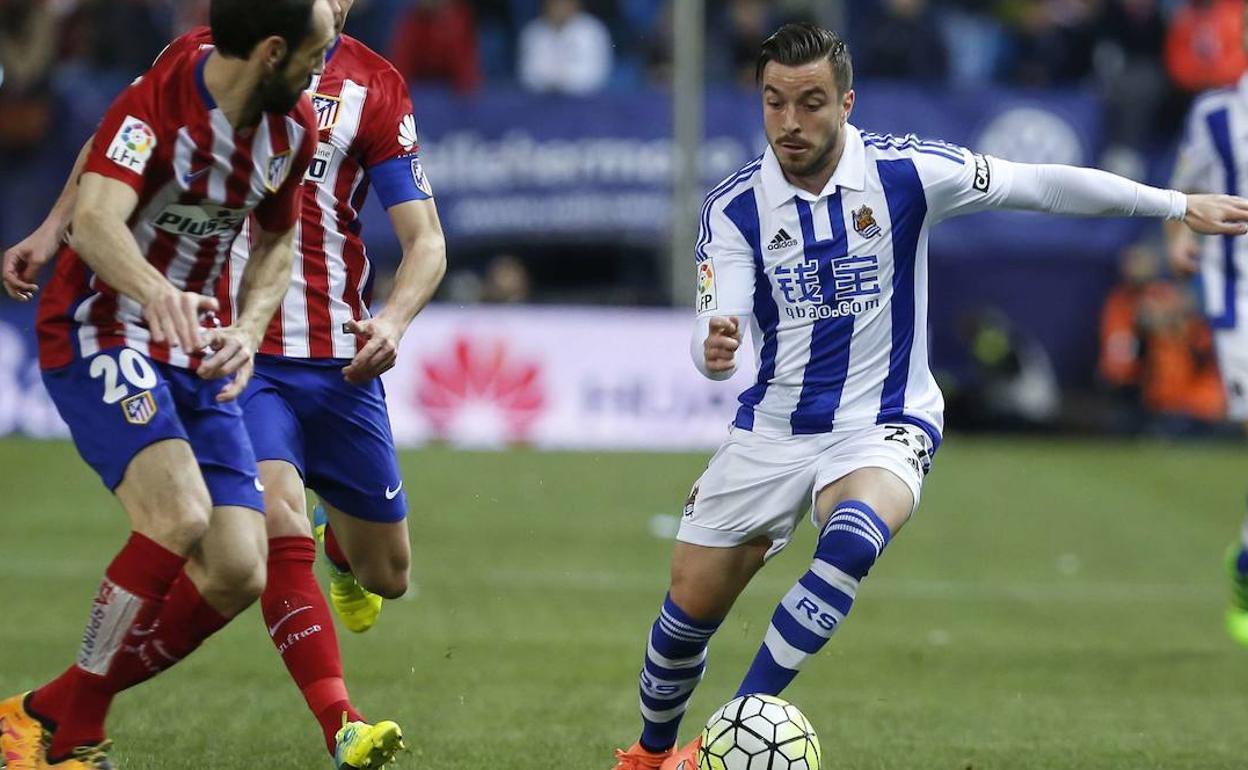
<point x="419" y="231"/>
<point x="264" y="282"/>
<point x="23" y="261"/>
<point x="105" y="243"/>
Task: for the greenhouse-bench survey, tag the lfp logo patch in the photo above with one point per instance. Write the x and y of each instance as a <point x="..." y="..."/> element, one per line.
<point x="706" y="286"/>
<point x="132" y="147"/>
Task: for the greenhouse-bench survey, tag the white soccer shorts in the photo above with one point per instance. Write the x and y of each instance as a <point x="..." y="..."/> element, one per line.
<point x="757" y="484"/>
<point x="1232" y="348"/>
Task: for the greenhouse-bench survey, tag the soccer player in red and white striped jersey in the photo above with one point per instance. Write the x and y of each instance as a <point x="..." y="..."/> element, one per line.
<point x="315" y="408"/>
<point x="204" y="140"/>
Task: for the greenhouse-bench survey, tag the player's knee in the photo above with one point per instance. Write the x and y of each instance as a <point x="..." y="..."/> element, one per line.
<point x="285" y="517"/>
<point x="388" y="578"/>
<point x="240" y="581"/>
<point x="181" y="524"/>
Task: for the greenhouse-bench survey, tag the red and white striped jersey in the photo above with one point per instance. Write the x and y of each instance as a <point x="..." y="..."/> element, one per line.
<point x="197" y="179"/>
<point x="367" y="135"/>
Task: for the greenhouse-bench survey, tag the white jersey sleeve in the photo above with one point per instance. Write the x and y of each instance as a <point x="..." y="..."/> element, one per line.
<point x="1198" y="159"/>
<point x="725" y="274"/>
<point x="725" y="265"/>
<point x="983" y="182"/>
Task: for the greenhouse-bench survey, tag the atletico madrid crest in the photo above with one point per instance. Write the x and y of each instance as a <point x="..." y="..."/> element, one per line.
<point x="140" y="409"/>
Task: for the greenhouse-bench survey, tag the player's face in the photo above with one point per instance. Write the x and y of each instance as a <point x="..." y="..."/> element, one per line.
<point x="341" y="9"/>
<point x="286" y="80"/>
<point x="803" y="115"/>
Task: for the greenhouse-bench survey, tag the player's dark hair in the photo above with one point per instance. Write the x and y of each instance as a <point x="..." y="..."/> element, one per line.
<point x="802" y="43"/>
<point x="238" y="26"/>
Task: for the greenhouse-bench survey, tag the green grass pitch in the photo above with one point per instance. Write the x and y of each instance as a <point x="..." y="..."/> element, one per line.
<point x="1054" y="604"/>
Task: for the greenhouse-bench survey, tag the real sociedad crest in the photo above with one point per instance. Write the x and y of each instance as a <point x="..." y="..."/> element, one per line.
<point x="864" y="222"/>
<point x="278" y="166"/>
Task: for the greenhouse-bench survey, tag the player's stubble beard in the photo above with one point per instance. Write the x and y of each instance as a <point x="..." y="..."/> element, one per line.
<point x="275" y="92"/>
<point x="815" y="165"/>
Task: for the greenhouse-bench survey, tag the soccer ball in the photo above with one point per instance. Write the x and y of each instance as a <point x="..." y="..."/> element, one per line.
<point x="759" y="732"/>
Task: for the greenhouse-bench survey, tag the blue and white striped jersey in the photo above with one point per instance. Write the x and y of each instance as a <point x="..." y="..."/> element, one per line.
<point x="1214" y="159"/>
<point x="836" y="283"/>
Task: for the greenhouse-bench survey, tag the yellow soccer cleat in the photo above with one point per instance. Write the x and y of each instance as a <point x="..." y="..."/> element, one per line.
<point x="1237" y="613"/>
<point x="686" y="758"/>
<point x="23" y="738"/>
<point x="85" y="758"/>
<point x="636" y="757"/>
<point x="357" y="607"/>
<point x="360" y="745"/>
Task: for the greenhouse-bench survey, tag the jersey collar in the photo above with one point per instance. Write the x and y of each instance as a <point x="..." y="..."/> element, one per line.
<point x="850" y="173"/>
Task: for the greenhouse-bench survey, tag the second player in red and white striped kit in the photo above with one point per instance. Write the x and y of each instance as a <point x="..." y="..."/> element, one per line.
<point x="315" y="408"/>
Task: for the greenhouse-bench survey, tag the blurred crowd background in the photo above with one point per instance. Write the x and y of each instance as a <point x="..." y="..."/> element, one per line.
<point x="1079" y="325"/>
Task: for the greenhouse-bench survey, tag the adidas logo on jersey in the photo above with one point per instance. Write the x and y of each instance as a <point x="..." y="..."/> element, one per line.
<point x="781" y="240"/>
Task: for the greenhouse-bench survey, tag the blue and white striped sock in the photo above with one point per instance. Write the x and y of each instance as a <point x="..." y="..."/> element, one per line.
<point x="1241" y="564"/>
<point x="675" y="660"/>
<point x="851" y="540"/>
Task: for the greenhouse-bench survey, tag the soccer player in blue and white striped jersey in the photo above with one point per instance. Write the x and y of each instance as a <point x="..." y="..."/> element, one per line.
<point x="1214" y="157"/>
<point x="820" y="247"/>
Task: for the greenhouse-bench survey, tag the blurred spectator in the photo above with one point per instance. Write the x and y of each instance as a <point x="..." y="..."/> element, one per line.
<point x="94" y="33"/>
<point x="27" y="53"/>
<point x="436" y="42"/>
<point x="564" y="50"/>
<point x="506" y="281"/>
<point x="1132" y="79"/>
<point x="1053" y="41"/>
<point x="1156" y="352"/>
<point x="1011" y="384"/>
<point x="1204" y="46"/>
<point x="903" y="41"/>
<point x="975" y="40"/>
<point x="741" y="28"/>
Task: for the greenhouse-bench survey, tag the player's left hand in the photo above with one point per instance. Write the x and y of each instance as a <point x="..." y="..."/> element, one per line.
<point x="233" y="351"/>
<point x="1217" y="214"/>
<point x="380" y="351"/>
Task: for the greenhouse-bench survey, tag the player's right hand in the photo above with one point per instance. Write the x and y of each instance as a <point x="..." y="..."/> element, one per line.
<point x="721" y="343"/>
<point x="173" y="316"/>
<point x="23" y="262"/>
<point x="1217" y="214"/>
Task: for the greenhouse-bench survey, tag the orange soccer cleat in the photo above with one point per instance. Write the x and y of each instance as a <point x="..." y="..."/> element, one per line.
<point x="684" y="759"/>
<point x="23" y="738"/>
<point x="636" y="757"/>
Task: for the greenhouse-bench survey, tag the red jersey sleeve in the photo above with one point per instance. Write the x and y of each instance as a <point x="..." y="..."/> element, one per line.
<point x="278" y="212"/>
<point x="128" y="136"/>
<point x="389" y="145"/>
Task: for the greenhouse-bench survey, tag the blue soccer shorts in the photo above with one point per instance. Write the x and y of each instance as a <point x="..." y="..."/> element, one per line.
<point x="119" y="401"/>
<point x="336" y="434"/>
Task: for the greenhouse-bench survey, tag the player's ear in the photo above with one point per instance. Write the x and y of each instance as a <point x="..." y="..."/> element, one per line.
<point x="273" y="51"/>
<point x="847" y="105"/>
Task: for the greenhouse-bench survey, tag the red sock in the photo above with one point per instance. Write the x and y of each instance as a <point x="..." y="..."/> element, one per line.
<point x="183" y="624"/>
<point x="334" y="553"/>
<point x="302" y="629"/>
<point x="128" y="601"/>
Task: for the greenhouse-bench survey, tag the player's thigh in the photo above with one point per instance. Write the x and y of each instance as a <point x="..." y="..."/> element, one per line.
<point x="228" y="565"/>
<point x="883" y="466"/>
<point x="351" y="460"/>
<point x="755" y="486"/>
<point x="123" y="417"/>
<point x="706" y="580"/>
<point x="1232" y="350"/>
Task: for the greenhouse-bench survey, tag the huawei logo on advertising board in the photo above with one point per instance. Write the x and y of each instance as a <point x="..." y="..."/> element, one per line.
<point x="475" y="392"/>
